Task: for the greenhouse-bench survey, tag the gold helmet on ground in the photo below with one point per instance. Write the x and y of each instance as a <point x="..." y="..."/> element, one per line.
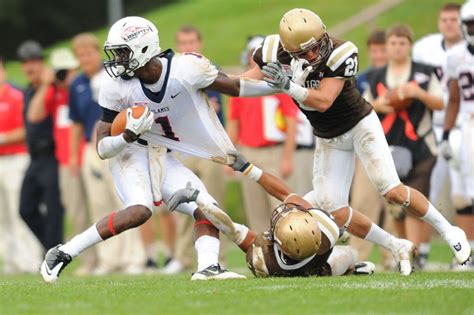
<point x="302" y="30"/>
<point x="296" y="231"/>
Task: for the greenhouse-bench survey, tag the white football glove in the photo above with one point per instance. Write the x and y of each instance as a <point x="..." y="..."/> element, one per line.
<point x="300" y="69"/>
<point x="135" y="127"/>
<point x="275" y="76"/>
<point x="445" y="149"/>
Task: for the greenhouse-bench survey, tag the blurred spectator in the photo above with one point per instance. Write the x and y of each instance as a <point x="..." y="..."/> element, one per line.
<point x="377" y="57"/>
<point x="364" y="195"/>
<point x="265" y="129"/>
<point x="54" y="102"/>
<point x="408" y="130"/>
<point x="21" y="251"/>
<point x="189" y="39"/>
<point x="40" y="203"/>
<point x="447" y="189"/>
<point x="125" y="252"/>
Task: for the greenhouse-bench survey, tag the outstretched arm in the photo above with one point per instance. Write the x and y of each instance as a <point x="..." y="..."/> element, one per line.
<point x="241" y="86"/>
<point x="272" y="184"/>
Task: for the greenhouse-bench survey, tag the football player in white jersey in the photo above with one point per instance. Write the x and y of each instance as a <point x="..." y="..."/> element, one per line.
<point x="177" y="116"/>
<point x="432" y="50"/>
<point x="460" y="69"/>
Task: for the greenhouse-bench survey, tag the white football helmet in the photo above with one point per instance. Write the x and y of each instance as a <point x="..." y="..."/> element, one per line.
<point x="467" y="21"/>
<point x="131" y="43"/>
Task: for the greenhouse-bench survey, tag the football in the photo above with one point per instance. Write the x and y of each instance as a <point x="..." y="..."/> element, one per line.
<point x="397" y="101"/>
<point x="120" y="121"/>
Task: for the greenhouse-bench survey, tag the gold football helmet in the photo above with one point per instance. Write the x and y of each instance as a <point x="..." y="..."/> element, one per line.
<point x="302" y="30"/>
<point x="296" y="231"/>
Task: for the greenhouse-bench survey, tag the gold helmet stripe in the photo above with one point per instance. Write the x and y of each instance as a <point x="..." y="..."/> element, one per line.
<point x="270" y="48"/>
<point x="327" y="226"/>
<point x="340" y="54"/>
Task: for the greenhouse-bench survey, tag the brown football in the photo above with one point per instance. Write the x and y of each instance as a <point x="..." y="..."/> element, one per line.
<point x="396" y="101"/>
<point x="120" y="121"/>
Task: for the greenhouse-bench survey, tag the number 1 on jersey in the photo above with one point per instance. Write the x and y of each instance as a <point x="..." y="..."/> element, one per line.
<point x="166" y="126"/>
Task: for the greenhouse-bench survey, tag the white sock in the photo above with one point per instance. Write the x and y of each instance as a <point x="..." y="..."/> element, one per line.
<point x="207" y="248"/>
<point x="425" y="248"/>
<point x="381" y="237"/>
<point x="81" y="242"/>
<point x="436" y="220"/>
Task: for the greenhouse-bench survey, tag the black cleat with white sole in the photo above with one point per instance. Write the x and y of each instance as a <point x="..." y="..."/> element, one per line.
<point x="364" y="268"/>
<point x="54" y="262"/>
<point x="215" y="272"/>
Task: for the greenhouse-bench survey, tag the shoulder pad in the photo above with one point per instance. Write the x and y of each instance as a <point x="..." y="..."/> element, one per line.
<point x="340" y="54"/>
<point x="270" y="48"/>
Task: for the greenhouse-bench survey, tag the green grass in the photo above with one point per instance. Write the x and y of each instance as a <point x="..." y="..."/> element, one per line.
<point x="382" y="293"/>
<point x="424" y="293"/>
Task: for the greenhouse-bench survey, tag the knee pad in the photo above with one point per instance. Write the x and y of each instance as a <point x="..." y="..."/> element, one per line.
<point x="469" y="210"/>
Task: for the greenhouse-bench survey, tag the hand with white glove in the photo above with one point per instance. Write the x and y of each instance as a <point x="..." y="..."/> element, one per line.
<point x="135" y="127"/>
<point x="300" y="69"/>
<point x="275" y="76"/>
<point x="183" y="195"/>
<point x="445" y="149"/>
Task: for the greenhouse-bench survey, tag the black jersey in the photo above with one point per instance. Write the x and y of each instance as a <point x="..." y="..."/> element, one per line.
<point x="348" y="108"/>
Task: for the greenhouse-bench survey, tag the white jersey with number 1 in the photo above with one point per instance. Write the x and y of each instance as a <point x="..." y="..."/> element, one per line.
<point x="184" y="120"/>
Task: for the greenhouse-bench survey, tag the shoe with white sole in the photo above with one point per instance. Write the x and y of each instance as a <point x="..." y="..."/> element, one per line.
<point x="215" y="272"/>
<point x="404" y="252"/>
<point x="54" y="263"/>
<point x="173" y="267"/>
<point x="459" y="244"/>
<point x="364" y="268"/>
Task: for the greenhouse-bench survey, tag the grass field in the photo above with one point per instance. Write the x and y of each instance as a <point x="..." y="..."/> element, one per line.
<point x="382" y="293"/>
<point x="389" y="293"/>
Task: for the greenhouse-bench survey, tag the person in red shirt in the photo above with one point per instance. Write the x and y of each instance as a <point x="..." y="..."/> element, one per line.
<point x="265" y="130"/>
<point x="21" y="251"/>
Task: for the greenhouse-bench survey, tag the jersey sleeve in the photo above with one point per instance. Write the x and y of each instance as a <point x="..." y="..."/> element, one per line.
<point x="271" y="50"/>
<point x="418" y="52"/>
<point x="110" y="96"/>
<point x="452" y="61"/>
<point x="200" y="72"/>
<point x="343" y="62"/>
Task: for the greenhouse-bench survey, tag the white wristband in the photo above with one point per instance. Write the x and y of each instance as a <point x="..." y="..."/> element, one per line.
<point x="253" y="172"/>
<point x="297" y="92"/>
<point x="109" y="147"/>
<point x="249" y="88"/>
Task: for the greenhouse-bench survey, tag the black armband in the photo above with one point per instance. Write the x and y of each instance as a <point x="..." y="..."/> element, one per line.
<point x="108" y="115"/>
<point x="446" y="135"/>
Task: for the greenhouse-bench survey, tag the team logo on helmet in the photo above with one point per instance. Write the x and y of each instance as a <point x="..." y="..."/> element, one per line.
<point x="134" y="31"/>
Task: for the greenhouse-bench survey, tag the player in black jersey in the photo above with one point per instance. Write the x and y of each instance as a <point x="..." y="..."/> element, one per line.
<point x="318" y="72"/>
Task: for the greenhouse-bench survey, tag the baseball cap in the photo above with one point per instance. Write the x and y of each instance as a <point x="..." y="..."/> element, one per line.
<point x="63" y="59"/>
<point x="30" y="50"/>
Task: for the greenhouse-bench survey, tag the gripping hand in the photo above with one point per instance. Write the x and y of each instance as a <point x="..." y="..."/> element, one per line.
<point x="188" y="194"/>
<point x="240" y="162"/>
<point x="275" y="76"/>
<point x="300" y="69"/>
<point x="137" y="126"/>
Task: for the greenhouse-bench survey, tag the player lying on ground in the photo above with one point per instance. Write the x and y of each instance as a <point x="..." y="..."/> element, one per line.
<point x="300" y="242"/>
<point x="355" y="222"/>
<point x="318" y="72"/>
